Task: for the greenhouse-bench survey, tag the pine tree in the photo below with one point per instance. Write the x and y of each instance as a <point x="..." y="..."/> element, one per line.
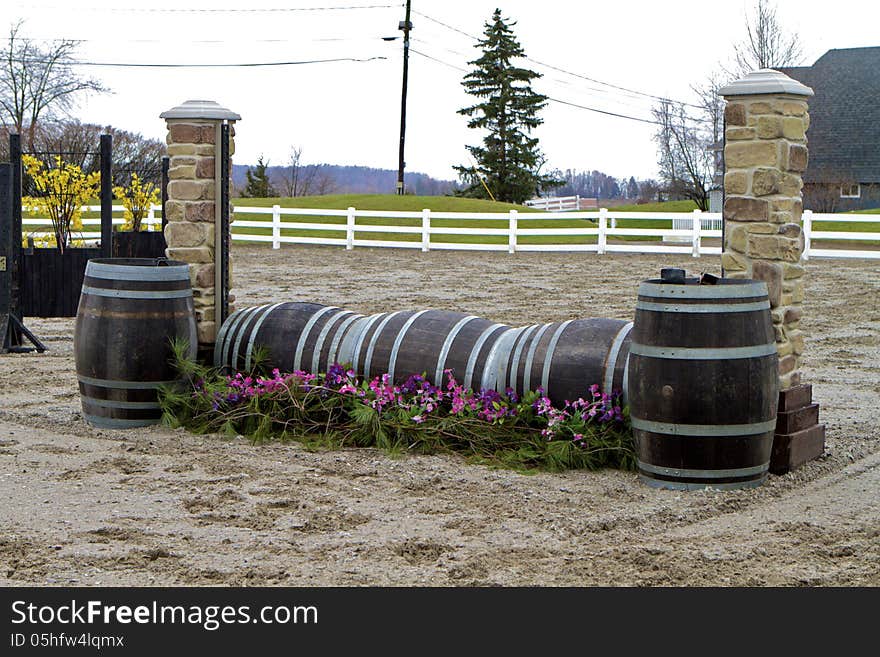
<point x="258" y="183"/>
<point x="509" y="162"/>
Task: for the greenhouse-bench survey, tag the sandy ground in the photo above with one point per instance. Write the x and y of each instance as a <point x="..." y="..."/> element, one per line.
<point x="154" y="506"/>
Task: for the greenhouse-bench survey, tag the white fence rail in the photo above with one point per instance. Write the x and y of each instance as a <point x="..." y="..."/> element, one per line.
<point x="562" y="203"/>
<point x="153" y="221"/>
<point x="686" y="235"/>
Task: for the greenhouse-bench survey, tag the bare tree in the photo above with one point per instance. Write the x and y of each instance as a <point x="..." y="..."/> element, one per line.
<point x="37" y="82"/>
<point x="300" y="179"/>
<point x="685" y="155"/>
<point x="766" y="44"/>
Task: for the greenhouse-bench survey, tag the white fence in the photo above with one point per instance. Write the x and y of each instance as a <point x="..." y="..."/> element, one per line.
<point x="562" y="203"/>
<point x="606" y="227"/>
<point x="152" y="221"/>
<point x="689" y="227"/>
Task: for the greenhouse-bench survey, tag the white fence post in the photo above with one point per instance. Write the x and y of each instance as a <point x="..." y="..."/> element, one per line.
<point x="808" y="231"/>
<point x="512" y="225"/>
<point x="151" y="218"/>
<point x="349" y="229"/>
<point x="276" y="226"/>
<point x="603" y="229"/>
<point x="696" y="237"/>
<point x="426" y="229"/>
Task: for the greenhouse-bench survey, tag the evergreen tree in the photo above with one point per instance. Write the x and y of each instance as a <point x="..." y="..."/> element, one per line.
<point x="258" y="183"/>
<point x="509" y="161"/>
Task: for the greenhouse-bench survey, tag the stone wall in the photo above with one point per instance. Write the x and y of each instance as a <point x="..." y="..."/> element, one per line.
<point x="765" y="156"/>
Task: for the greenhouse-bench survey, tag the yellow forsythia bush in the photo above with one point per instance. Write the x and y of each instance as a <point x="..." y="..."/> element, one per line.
<point x="136" y="199"/>
<point x="63" y="190"/>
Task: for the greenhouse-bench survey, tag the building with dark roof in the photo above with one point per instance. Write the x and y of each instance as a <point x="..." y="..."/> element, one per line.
<point x="844" y="134"/>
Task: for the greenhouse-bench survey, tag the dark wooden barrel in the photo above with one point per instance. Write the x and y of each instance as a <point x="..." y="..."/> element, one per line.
<point x="566" y="358"/>
<point x="294" y="336"/>
<point x="424" y="341"/>
<point x="703" y="384"/>
<point x="311" y="337"/>
<point x="129" y="310"/>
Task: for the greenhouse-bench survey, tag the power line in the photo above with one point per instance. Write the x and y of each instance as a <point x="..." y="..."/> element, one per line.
<point x="74" y="62"/>
<point x="561" y="70"/>
<point x="170" y="10"/>
<point x="555" y="100"/>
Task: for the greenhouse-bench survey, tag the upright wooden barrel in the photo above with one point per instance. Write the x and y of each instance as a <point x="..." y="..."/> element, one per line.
<point x="703" y="384"/>
<point x="129" y="310"/>
<point x="564" y="358"/>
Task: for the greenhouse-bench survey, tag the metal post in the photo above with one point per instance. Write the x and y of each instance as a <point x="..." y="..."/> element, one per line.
<point x="165" y="165"/>
<point x="406" y="26"/>
<point x="107" y="196"/>
<point x="15" y="252"/>
<point x="222" y="262"/>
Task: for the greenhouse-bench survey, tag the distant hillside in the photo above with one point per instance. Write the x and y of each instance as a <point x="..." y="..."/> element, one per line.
<point x="320" y="179"/>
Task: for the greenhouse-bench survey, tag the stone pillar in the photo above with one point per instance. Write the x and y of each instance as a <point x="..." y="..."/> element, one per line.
<point x="765" y="155"/>
<point x="194" y="208"/>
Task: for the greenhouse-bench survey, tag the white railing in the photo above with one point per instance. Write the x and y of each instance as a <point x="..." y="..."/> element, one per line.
<point x="153" y="221"/>
<point x="809" y="235"/>
<point x="560" y="203"/>
<point x="606" y="227"/>
<point x="708" y="221"/>
<point x="689" y="227"/>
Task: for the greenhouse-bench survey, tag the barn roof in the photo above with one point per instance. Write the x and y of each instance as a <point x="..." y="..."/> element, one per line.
<point x="844" y="133"/>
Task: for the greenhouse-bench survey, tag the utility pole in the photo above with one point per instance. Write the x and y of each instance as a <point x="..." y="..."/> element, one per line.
<point x="406" y="26"/>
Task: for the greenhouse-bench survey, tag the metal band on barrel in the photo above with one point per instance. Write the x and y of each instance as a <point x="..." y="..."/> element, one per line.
<point x="517" y="353"/>
<point x="253" y="336"/>
<point x="112" y="403"/>
<point x="304" y="336"/>
<point x="338" y="334"/>
<point x="322" y="337"/>
<point x="447" y="345"/>
<point x="220" y="345"/>
<point x="235" y="326"/>
<point x="527" y="375"/>
<point x="132" y="273"/>
<point x="137" y="294"/>
<point x="725" y="308"/>
<point x="548" y="357"/>
<point x="392" y="360"/>
<point x="121" y="385"/>
<point x="611" y="364"/>
<point x="703" y="353"/>
<point x="371" y="347"/>
<point x="704" y="474"/>
<point x="358" y="335"/>
<point x="713" y="430"/>
<point x="670" y="484"/>
<point x="475" y="353"/>
<point x="733" y="291"/>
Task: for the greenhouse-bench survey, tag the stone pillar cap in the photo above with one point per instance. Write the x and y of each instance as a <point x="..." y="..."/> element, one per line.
<point x="200" y="109"/>
<point x="763" y="82"/>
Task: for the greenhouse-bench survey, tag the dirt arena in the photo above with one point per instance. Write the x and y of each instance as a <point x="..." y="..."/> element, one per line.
<point x="153" y="506"/>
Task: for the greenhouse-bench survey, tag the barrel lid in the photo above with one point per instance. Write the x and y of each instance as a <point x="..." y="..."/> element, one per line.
<point x="723" y="288"/>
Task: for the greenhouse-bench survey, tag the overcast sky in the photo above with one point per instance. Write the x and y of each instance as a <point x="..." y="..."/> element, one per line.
<point x="348" y="112"/>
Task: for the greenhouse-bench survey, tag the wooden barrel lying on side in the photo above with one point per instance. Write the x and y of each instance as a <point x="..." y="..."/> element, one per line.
<point x="703" y="384"/>
<point x="129" y="311"/>
<point x="292" y="335"/>
<point x="565" y="358"/>
<point x="311" y="337"/>
<point x="425" y="341"/>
